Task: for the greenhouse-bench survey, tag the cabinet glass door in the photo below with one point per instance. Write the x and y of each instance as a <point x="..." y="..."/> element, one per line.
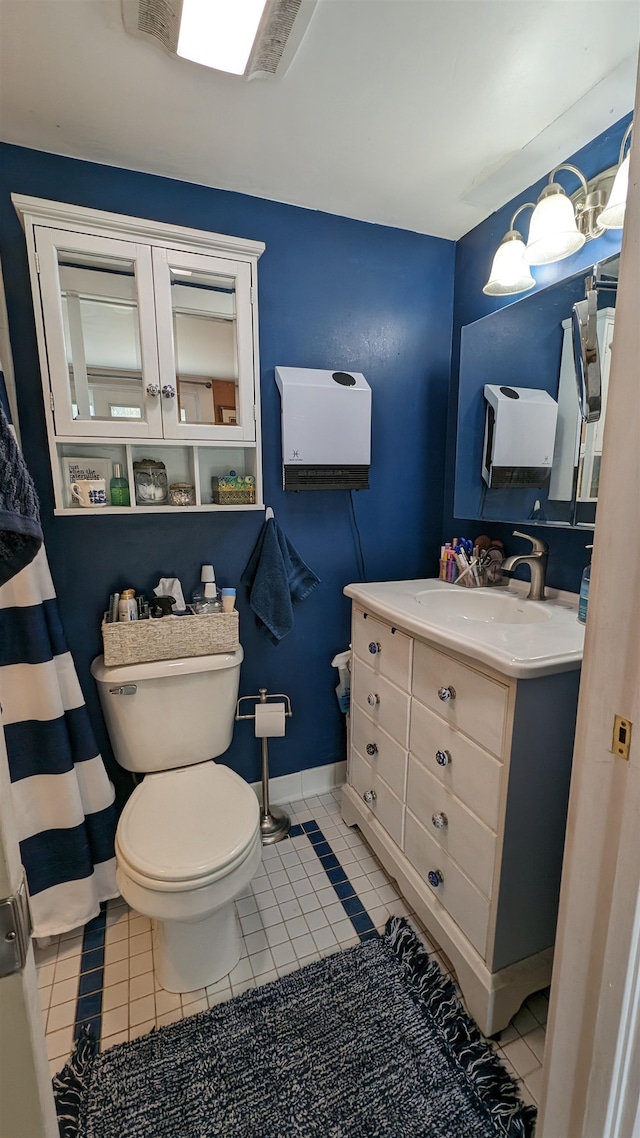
<point x="205" y="346"/>
<point x="97" y="296"/>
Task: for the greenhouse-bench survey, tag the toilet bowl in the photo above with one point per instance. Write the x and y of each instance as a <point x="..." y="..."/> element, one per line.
<point x="188" y="840"/>
<point x="188" y="843"/>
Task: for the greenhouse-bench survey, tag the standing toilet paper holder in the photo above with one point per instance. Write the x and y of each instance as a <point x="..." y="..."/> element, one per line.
<point x="274" y="822"/>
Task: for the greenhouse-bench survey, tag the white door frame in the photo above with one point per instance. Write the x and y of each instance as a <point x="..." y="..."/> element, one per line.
<point x="591" y="1085"/>
<point x="26" y="1098"/>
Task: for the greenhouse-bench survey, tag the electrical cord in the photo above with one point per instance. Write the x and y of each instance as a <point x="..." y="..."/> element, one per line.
<point x="354" y="520"/>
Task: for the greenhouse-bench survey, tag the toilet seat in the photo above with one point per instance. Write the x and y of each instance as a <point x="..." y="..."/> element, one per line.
<point x="188" y="827"/>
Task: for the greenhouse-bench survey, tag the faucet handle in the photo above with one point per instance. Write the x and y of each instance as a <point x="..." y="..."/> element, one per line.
<point x="537" y="544"/>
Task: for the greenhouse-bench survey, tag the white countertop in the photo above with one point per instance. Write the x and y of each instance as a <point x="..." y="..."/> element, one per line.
<point x="495" y="626"/>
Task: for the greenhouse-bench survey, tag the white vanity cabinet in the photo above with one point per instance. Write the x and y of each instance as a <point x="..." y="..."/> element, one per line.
<point x="148" y="343"/>
<point x="458" y="777"/>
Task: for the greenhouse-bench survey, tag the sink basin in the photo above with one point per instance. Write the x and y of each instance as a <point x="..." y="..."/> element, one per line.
<point x="487" y="607"/>
<point x="499" y="627"/>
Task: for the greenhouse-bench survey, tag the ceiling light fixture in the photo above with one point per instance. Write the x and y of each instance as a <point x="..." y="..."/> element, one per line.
<point x="219" y="33"/>
<point x="560" y="225"/>
<point x="252" y="38"/>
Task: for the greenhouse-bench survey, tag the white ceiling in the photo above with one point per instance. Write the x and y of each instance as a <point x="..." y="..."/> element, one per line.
<point x="424" y="114"/>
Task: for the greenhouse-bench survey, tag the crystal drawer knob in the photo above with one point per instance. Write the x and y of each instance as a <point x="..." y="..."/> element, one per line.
<point x="373" y="699"/>
<point x="369" y="796"/>
<point x="440" y="821"/>
<point x="435" y="878"/>
<point x="372" y="749"/>
<point x="374" y="647"/>
<point x="443" y="758"/>
<point x="445" y="694"/>
<point x="153" y="389"/>
<point x="169" y="391"/>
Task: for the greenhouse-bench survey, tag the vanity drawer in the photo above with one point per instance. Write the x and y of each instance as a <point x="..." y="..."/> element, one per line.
<point x="382" y="701"/>
<point x="469" y="772"/>
<point x="461" y="899"/>
<point x="479" y="707"/>
<point x="470" y="843"/>
<point x="386" y="806"/>
<point x="384" y="754"/>
<point x="385" y="649"/>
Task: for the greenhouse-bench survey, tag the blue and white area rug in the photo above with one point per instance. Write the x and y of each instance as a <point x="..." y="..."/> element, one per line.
<point x="371" y="1042"/>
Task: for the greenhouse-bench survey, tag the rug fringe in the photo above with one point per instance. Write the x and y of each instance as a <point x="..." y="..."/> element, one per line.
<point x="70" y="1085"/>
<point x="437" y="995"/>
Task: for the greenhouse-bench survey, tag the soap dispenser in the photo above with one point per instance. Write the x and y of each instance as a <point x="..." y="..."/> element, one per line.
<point x="584" y="591"/>
<point x="119" y="487"/>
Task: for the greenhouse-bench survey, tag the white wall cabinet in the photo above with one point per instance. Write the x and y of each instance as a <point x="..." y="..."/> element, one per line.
<point x="464" y="801"/>
<point x="148" y="341"/>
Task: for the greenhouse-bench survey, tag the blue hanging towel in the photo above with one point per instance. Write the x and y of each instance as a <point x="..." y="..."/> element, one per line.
<point x="277" y="578"/>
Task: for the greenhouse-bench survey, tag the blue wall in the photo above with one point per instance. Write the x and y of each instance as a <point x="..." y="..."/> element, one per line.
<point x="474" y="254"/>
<point x="333" y="293"/>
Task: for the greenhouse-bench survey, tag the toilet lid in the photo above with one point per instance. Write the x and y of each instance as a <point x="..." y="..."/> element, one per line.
<point x="183" y="824"/>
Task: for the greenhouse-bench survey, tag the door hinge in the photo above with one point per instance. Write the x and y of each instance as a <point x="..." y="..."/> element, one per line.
<point x="51" y="403"/>
<point x="15" y="930"/>
<point x="253" y="294"/>
<point x="37" y="257"/>
<point x="255" y="413"/>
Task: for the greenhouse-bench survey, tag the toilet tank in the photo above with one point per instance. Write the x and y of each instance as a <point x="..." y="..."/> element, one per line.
<point x="170" y="713"/>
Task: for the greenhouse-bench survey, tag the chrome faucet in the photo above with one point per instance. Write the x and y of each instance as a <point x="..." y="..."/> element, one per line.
<point x="537" y="562"/>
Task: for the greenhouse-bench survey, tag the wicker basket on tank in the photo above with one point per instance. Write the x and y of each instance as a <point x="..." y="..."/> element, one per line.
<point x="170" y="638"/>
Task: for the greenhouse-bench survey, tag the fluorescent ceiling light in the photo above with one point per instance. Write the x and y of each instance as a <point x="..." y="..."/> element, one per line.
<point x="219" y="33"/>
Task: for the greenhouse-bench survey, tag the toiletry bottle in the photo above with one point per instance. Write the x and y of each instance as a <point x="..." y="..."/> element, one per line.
<point x="228" y="600"/>
<point x="127" y="607"/>
<point x="119" y="487"/>
<point x="584" y="591"/>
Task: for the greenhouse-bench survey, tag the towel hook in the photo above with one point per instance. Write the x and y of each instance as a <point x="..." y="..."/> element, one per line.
<point x="268" y="514"/>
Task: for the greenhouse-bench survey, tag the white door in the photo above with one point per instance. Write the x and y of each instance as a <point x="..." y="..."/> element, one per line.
<point x="26" y="1099"/>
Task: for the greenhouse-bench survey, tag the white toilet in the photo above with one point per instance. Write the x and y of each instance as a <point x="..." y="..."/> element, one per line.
<point x="188" y="840"/>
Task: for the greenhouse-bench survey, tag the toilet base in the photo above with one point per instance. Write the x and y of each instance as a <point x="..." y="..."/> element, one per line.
<point x="193" y="954"/>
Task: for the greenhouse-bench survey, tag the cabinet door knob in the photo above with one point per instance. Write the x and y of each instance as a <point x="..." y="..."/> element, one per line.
<point x="447" y="693"/>
<point x="168" y="391"/>
<point x="153" y="389"/>
<point x="372" y="749"/>
<point x="443" y="758"/>
<point x="373" y="698"/>
<point x="369" y="796"/>
<point x="440" y="821"/>
<point x="374" y="647"/>
<point x="435" y="878"/>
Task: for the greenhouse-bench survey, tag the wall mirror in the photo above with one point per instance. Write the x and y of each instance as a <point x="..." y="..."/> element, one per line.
<point x="530" y="344"/>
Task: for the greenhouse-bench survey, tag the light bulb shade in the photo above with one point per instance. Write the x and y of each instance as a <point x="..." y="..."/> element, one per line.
<point x="553" y="233"/>
<point x="509" y="271"/>
<point x="612" y="216"/>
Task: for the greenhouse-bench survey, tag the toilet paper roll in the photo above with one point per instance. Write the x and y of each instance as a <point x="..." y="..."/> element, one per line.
<point x="269" y="720"/>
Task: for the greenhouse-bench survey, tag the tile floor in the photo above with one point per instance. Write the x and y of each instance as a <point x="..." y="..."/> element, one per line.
<point x="318" y="891"/>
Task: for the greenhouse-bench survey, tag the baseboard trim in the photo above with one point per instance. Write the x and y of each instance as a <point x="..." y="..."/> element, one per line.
<point x="304" y="784"/>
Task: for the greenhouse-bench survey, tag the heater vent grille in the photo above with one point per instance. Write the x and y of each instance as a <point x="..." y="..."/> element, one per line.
<point x="271" y="37"/>
<point x="504" y="476"/>
<point x="159" y="19"/>
<point x="326" y="477"/>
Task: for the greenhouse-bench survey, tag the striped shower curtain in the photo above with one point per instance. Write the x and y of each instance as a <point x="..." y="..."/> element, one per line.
<point x="62" y="797"/>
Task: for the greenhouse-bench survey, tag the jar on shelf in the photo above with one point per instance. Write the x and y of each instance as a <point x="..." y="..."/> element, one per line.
<point x="150" y="478"/>
<point x="182" y="494"/>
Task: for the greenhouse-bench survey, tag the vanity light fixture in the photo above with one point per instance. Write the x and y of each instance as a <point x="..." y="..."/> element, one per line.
<point x="553" y="231"/>
<point x="612" y="216"/>
<point x="510" y="271"/>
<point x="560" y="225"/>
